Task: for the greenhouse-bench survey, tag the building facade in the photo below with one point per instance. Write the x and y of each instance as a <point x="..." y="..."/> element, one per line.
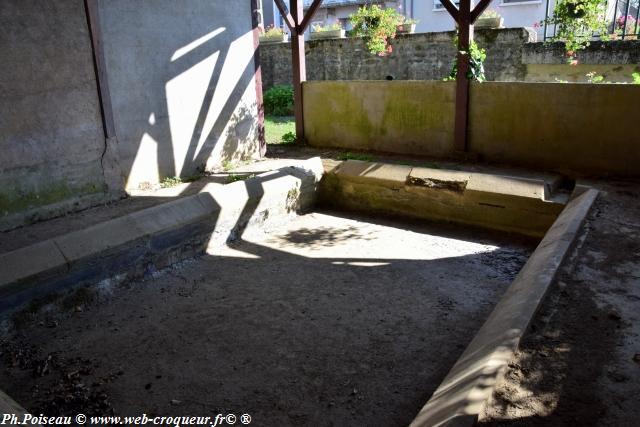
<point x="432" y="16"/>
<point x="330" y="12"/>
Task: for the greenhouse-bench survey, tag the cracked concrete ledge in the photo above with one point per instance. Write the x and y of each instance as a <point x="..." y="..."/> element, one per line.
<point x="470" y="383"/>
<point x="139" y="243"/>
<point x="520" y="204"/>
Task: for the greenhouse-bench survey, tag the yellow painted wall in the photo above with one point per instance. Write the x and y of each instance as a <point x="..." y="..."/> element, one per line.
<point x="411" y="117"/>
<point x="568" y="127"/>
<point x="573" y="128"/>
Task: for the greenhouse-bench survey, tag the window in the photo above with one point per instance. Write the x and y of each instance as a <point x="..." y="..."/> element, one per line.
<point x="438" y="6"/>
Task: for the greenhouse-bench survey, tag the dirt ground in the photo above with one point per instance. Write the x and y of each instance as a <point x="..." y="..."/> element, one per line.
<point x="329" y="321"/>
<point x="579" y="364"/>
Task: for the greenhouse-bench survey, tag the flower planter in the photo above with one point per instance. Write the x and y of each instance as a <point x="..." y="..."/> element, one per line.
<point x="485" y="23"/>
<point x="406" y="28"/>
<point x="333" y="34"/>
<point x="274" y="39"/>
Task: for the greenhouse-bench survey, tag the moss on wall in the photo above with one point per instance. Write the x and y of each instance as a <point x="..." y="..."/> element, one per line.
<point x="580" y="129"/>
<point x="12" y="202"/>
<point x="416" y="117"/>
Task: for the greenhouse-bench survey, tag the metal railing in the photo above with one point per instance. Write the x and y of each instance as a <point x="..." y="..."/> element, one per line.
<point x="622" y="18"/>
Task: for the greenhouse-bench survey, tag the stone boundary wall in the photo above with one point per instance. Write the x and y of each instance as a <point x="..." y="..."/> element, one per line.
<point x="576" y="129"/>
<point x="512" y="55"/>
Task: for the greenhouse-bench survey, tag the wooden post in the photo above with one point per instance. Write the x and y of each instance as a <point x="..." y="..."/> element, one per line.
<point x="465" y="37"/>
<point x="464" y="16"/>
<point x="299" y="65"/>
<point x="255" y="21"/>
<point x="298" y="23"/>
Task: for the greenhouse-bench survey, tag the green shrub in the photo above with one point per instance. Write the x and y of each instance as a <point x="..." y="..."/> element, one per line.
<point x="289" y="138"/>
<point x="278" y="101"/>
<point x="377" y="26"/>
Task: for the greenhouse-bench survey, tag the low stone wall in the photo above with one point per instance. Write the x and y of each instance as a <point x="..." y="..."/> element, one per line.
<point x="512" y="55"/>
<point x="570" y="128"/>
<point x="421" y="56"/>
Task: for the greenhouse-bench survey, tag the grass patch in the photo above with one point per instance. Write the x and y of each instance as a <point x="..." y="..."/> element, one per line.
<point x="227" y="165"/>
<point x="172" y="181"/>
<point x="279" y="130"/>
<point x="351" y="156"/>
<point x="234" y="178"/>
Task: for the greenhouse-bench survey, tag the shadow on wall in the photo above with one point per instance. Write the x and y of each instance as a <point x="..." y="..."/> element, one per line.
<point x="182" y="83"/>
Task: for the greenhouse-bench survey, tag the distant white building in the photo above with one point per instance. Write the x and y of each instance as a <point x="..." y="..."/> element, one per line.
<point x="330" y="12"/>
<point x="433" y="16"/>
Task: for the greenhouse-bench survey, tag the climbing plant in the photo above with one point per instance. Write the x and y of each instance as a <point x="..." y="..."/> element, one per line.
<point x="576" y="21"/>
<point x="476" y="63"/>
<point x="377" y="26"/>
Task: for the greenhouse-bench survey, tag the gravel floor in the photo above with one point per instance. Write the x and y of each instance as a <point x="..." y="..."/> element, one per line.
<point x="328" y="321"/>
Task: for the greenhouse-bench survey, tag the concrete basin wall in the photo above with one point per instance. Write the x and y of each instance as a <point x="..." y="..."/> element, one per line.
<point x="578" y="129"/>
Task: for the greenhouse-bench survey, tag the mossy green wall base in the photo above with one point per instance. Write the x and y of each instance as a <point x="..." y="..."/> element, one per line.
<point x="407" y="117"/>
<point x="578" y="129"/>
<point x="471" y="200"/>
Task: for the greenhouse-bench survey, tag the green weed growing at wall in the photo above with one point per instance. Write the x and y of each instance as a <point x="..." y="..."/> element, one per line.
<point x="278" y="101"/>
<point x="476" y="63"/>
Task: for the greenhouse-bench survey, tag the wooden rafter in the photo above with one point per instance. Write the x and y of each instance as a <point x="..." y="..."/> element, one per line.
<point x="309" y="15"/>
<point x="475" y="13"/>
<point x="284" y="11"/>
<point x="480" y="7"/>
<point x="451" y="8"/>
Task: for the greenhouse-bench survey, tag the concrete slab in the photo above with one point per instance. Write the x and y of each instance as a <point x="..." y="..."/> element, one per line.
<point x="440" y="178"/>
<point x="471" y="381"/>
<point x="509" y="185"/>
<point x="171" y="215"/>
<point x="134" y="243"/>
<point x="497" y="201"/>
<point x="23" y="264"/>
<point x="386" y="173"/>
<point x="101" y="237"/>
